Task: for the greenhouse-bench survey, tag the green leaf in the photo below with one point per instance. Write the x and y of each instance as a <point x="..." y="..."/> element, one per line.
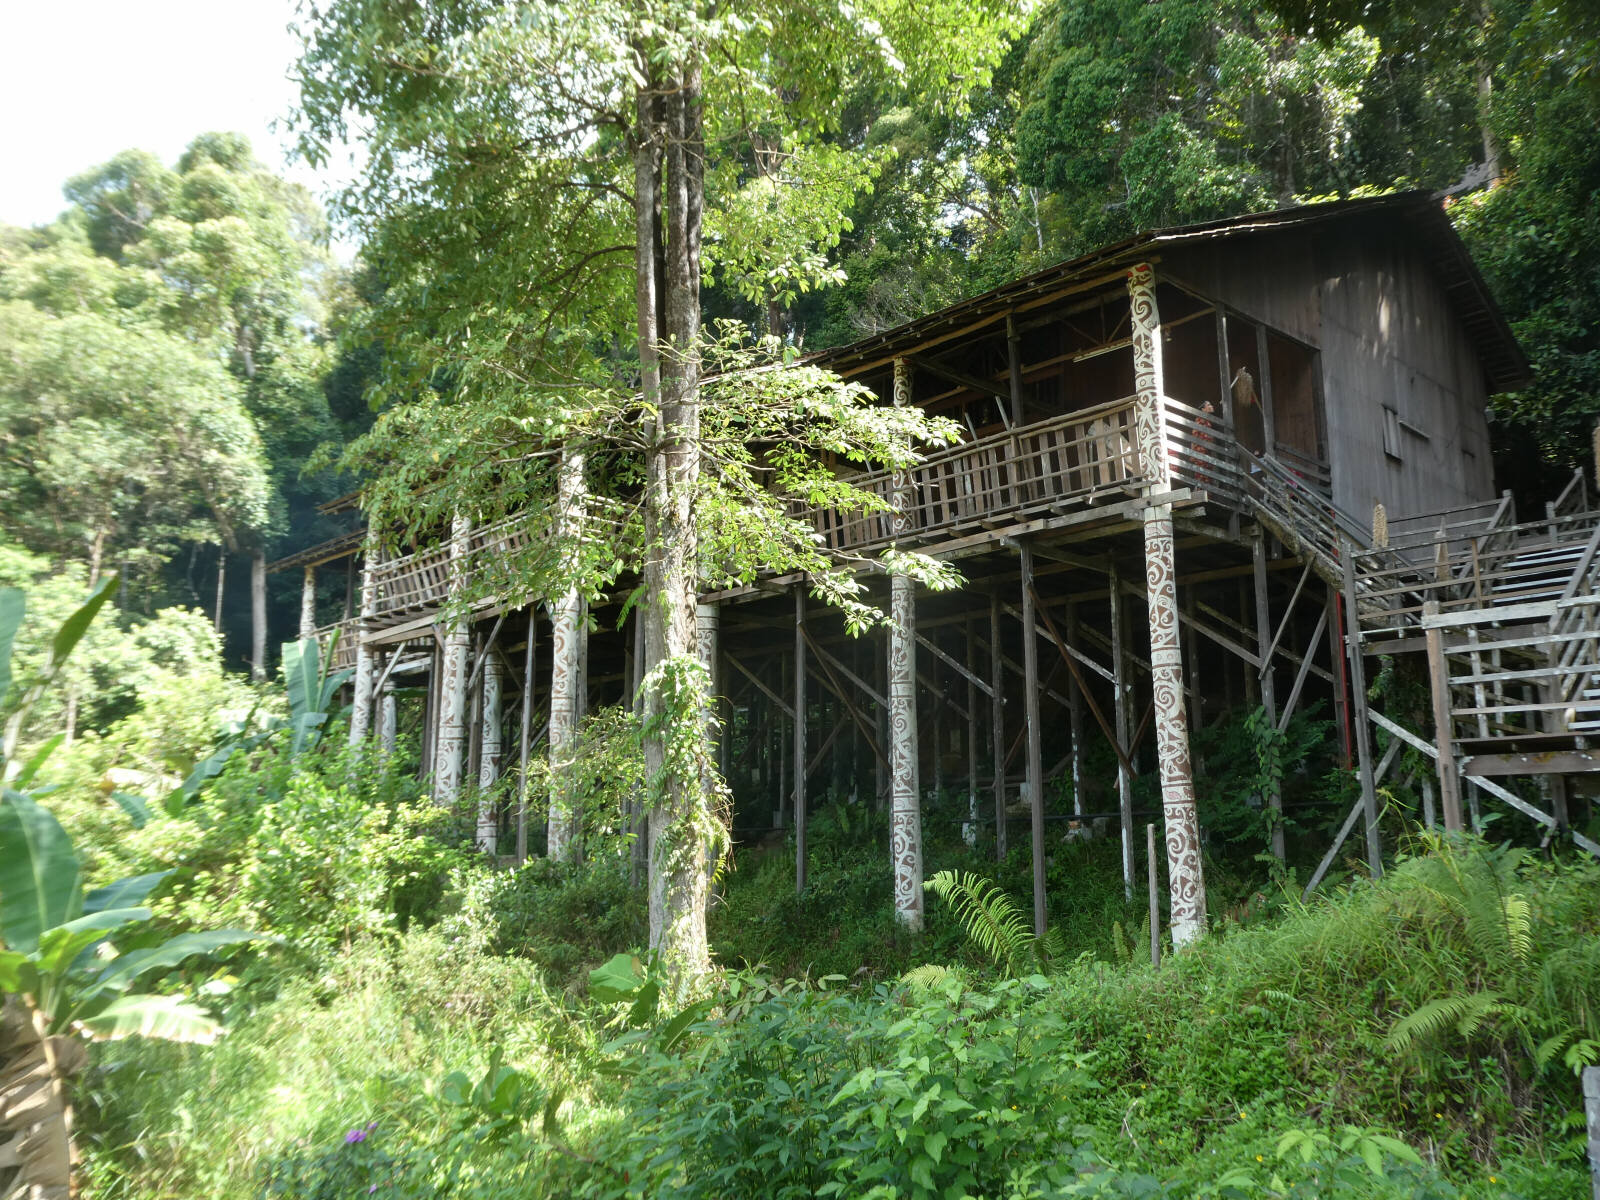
<point x="13" y="607"/>
<point x="59" y="946"/>
<point x="123" y="893"/>
<point x="122" y="972"/>
<point x="11" y="965"/>
<point x="40" y="878"/>
<point x="136" y="806"/>
<point x="74" y="627"/>
<point x="617" y="979"/>
<point x="169" y="1018"/>
<point x="31" y="767"/>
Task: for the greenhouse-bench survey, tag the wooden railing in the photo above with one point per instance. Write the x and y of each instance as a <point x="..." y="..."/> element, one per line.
<point x="1498" y="569"/>
<point x="1069" y="461"/>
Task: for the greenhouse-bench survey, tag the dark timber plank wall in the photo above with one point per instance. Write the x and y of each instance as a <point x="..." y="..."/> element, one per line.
<point x="1389" y="337"/>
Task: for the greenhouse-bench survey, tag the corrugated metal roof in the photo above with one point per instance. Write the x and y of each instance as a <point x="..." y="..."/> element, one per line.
<point x="1504" y="363"/>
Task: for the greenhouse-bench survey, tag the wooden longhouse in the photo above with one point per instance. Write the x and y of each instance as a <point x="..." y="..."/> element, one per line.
<point x="1206" y="468"/>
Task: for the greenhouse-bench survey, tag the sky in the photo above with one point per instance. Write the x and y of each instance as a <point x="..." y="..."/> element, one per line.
<point x="84" y="79"/>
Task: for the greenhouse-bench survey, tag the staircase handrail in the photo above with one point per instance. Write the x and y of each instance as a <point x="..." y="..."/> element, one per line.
<point x="1574" y="498"/>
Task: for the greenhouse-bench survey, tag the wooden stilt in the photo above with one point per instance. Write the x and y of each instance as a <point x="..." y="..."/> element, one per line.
<point x="1358" y="702"/>
<point x="388" y="721"/>
<point x="525" y="739"/>
<point x="707" y="630"/>
<point x="450" y="746"/>
<point x="1155" y="894"/>
<point x="1269" y="690"/>
<point x="969" y="831"/>
<point x="784" y="734"/>
<point x="1030" y="696"/>
<point x="997" y="725"/>
<point x="1443" y="725"/>
<point x="567" y="685"/>
<point x="366" y="661"/>
<point x="1341" y="700"/>
<point x="799" y="738"/>
<point x="905" y="791"/>
<point x="1075" y="718"/>
<point x="222" y="577"/>
<point x="1119" y="704"/>
<point x="1185" y="874"/>
<point x="639" y="856"/>
<point x="488" y="829"/>
<point x="258" y="614"/>
<point x="308" y="604"/>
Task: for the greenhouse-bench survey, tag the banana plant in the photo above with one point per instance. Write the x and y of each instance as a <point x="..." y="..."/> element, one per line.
<point x="311" y="687"/>
<point x="62" y="980"/>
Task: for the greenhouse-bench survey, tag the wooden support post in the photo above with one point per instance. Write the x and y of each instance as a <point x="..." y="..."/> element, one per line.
<point x="1443" y="725"/>
<point x="1269" y="689"/>
<point x="707" y="628"/>
<point x="308" y="604"/>
<point x="1075" y="717"/>
<point x="1014" y="371"/>
<point x="997" y="725"/>
<point x="222" y="578"/>
<point x="1358" y="702"/>
<point x="388" y="720"/>
<point x="1119" y="705"/>
<point x="784" y="751"/>
<point x="1341" y="692"/>
<point x="1192" y="679"/>
<point x="905" y="792"/>
<point x="1155" y="894"/>
<point x="366" y="660"/>
<point x="430" y="710"/>
<point x="1030" y="698"/>
<point x="258" y="614"/>
<point x="525" y="739"/>
<point x="936" y="685"/>
<point x="451" y="739"/>
<point x="488" y="831"/>
<point x="969" y="832"/>
<point x="639" y="848"/>
<point x="799" y="737"/>
<point x="1185" y="874"/>
<point x="564" y="829"/>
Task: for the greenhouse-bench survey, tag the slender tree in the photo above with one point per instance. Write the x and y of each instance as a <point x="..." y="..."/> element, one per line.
<point x="521" y="155"/>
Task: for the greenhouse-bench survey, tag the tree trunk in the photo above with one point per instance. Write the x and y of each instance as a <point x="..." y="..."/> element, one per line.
<point x="681" y="816"/>
<point x="36" y="1155"/>
<point x="258" y="615"/>
<point x="222" y="578"/>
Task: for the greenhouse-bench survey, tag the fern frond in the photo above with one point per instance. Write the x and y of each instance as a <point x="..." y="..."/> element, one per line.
<point x="928" y="975"/>
<point x="1519" y="927"/>
<point x="991" y="918"/>
<point x="1467" y="1013"/>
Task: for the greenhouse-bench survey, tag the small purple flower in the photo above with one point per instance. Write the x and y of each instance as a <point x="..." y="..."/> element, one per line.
<point x="354" y="1136"/>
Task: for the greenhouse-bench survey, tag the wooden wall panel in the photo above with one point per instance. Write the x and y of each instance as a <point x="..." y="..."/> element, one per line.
<point x="1389" y="338"/>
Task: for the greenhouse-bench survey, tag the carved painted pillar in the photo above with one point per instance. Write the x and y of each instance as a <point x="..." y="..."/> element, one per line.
<point x="905" y="801"/>
<point x="308" y="604"/>
<point x="451" y="740"/>
<point x="388" y="720"/>
<point x="566" y="668"/>
<point x="1186" y="881"/>
<point x="366" y="659"/>
<point x="489" y="751"/>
